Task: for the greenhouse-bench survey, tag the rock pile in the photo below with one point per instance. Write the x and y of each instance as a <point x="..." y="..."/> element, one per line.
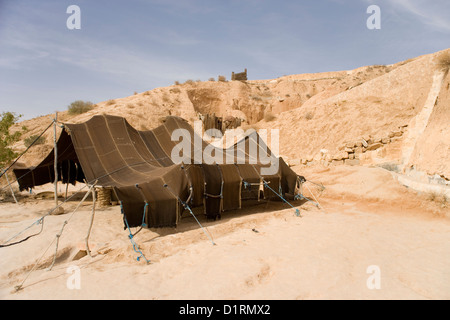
<point x="350" y="152"/>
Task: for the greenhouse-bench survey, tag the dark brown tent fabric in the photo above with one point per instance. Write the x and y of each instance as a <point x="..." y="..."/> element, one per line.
<point x="69" y="168"/>
<point x="108" y="151"/>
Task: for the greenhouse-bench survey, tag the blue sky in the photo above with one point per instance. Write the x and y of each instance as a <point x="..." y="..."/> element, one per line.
<point x="139" y="45"/>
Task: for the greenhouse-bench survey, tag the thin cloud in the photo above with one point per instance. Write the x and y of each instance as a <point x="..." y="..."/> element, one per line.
<point x="27" y="47"/>
<point x="431" y="13"/>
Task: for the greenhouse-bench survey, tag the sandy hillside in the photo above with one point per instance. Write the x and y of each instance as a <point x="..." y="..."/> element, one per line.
<point x="404" y="105"/>
<point x="261" y="252"/>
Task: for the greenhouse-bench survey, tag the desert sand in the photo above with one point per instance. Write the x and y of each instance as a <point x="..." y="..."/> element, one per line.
<point x="262" y="252"/>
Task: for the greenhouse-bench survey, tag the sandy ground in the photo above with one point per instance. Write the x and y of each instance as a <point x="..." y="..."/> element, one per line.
<point x="261" y="252"/>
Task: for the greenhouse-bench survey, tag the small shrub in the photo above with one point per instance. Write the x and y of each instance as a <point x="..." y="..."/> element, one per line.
<point x="165" y="97"/>
<point x="443" y="61"/>
<point x="440" y="199"/>
<point x="189" y="81"/>
<point x="28" y="141"/>
<point x="222" y="79"/>
<point x="110" y="102"/>
<point x="177" y="83"/>
<point x="211" y="79"/>
<point x="309" y="116"/>
<point x="79" y="107"/>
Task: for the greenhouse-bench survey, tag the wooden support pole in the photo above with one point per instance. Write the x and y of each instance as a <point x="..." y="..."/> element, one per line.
<point x="10" y="187"/>
<point x="56" y="159"/>
<point x="92" y="222"/>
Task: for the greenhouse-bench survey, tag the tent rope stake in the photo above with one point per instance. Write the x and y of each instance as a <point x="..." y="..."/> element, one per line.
<point x="36" y="223"/>
<point x="186" y="206"/>
<point x="318" y="204"/>
<point x="28" y="148"/>
<point x="297" y="211"/>
<point x="131" y="237"/>
<point x="58" y="236"/>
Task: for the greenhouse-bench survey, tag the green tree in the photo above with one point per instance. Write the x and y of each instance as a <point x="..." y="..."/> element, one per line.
<point x="7" y="120"/>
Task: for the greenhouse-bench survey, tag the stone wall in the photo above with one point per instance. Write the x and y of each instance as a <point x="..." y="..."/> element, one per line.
<point x="239" y="76"/>
<point x="352" y="152"/>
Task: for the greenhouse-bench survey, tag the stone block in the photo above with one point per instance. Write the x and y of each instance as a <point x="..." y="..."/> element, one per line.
<point x="349" y="150"/>
<point x="340" y="156"/>
<point x="386" y="140"/>
<point x="393" y="134"/>
<point x="374" y="146"/>
<point x="364" y="143"/>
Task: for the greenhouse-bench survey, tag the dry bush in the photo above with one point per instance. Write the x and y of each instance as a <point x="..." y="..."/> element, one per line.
<point x="165" y="97"/>
<point x="110" y="102"/>
<point x="309" y="116"/>
<point x="79" y="107"/>
<point x="34" y="138"/>
<point x="440" y="199"/>
<point x="443" y="61"/>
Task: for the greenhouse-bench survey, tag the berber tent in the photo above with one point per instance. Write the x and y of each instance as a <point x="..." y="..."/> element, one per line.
<point x="152" y="189"/>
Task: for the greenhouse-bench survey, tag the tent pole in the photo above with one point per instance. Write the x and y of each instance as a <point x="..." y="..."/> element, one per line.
<point x="10" y="187"/>
<point x="56" y="159"/>
<point x="92" y="221"/>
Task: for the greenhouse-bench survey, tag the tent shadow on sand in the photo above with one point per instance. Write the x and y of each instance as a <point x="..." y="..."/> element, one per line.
<point x="249" y="209"/>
